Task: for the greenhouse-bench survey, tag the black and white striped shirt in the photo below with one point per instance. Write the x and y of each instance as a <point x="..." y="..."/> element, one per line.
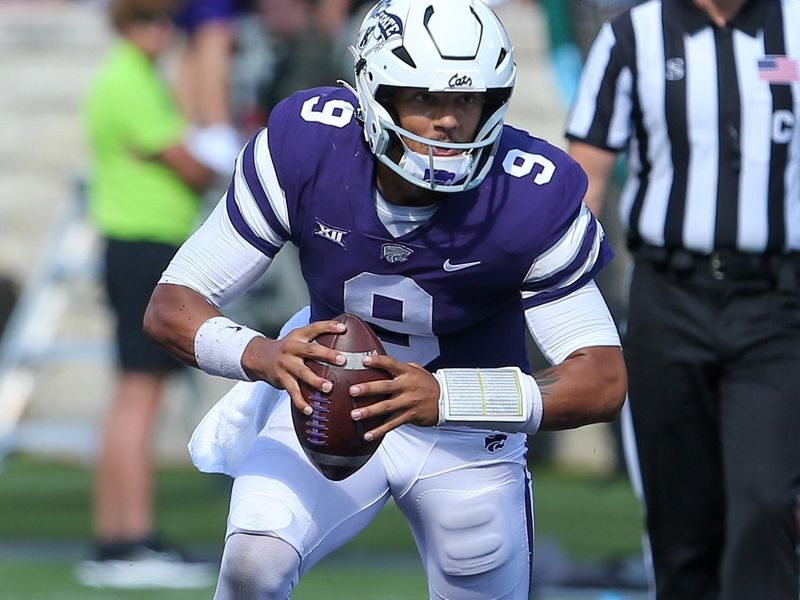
<point x="710" y="118"/>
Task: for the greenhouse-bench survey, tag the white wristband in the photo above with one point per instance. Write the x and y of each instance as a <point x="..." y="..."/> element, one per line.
<point x="504" y="399"/>
<point x="219" y="345"/>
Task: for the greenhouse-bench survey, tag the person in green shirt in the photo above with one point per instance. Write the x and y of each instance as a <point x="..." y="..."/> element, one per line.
<point x="144" y="197"/>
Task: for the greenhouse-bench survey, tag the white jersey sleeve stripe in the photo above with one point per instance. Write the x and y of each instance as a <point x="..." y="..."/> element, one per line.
<point x="564" y="252"/>
<point x="576" y="274"/>
<point x="247" y="170"/>
<point x="265" y="170"/>
<point x="250" y="208"/>
<point x="241" y="226"/>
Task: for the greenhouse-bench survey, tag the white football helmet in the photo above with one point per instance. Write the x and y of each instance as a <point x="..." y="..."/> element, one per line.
<point x="441" y="46"/>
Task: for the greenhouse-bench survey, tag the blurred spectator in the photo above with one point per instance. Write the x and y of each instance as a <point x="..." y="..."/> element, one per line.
<point x="203" y="87"/>
<point x="305" y="38"/>
<point x="144" y="198"/>
<point x="210" y="29"/>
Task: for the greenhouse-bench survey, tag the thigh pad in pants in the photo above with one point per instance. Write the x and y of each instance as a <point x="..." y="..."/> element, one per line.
<point x="473" y="524"/>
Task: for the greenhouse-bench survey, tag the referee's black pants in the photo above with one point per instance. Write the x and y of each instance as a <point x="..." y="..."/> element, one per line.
<point x="714" y="390"/>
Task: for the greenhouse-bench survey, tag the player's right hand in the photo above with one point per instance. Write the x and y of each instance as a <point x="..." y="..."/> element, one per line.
<point x="281" y="363"/>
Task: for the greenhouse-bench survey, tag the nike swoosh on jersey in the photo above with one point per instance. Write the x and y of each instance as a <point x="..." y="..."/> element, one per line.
<point x="450" y="267"/>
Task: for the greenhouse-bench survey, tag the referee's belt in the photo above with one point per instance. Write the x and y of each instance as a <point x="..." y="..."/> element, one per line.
<point x="724" y="264"/>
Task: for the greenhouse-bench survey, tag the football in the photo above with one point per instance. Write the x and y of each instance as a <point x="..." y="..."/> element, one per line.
<point x="333" y="442"/>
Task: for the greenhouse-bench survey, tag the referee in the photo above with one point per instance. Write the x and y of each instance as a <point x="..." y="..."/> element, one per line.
<point x="704" y="96"/>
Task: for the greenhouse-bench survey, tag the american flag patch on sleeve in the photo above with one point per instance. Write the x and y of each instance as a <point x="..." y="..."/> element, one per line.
<point x="776" y="68"/>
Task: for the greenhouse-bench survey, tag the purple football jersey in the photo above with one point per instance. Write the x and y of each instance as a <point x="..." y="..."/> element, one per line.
<point x="450" y="293"/>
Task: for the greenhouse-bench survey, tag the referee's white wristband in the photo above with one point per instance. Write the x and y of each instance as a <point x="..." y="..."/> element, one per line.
<point x="219" y="345"/>
<point x="504" y="399"/>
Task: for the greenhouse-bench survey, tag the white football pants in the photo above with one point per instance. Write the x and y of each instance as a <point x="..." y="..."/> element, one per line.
<point x="466" y="494"/>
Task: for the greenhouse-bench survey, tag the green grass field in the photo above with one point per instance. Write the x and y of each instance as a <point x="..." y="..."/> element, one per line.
<point x="45" y="528"/>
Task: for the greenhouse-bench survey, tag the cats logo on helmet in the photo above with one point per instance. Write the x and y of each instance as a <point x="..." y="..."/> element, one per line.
<point x="459" y="81"/>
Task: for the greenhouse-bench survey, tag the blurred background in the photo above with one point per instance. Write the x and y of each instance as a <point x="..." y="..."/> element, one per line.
<point x="56" y="362"/>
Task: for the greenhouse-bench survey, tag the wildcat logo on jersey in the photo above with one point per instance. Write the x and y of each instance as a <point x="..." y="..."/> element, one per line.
<point x="330" y="233"/>
<point x="395" y="253"/>
<point x="495" y="442"/>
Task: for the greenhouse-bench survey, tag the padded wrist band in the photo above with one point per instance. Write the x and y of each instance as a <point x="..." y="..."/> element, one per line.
<point x="504" y="399"/>
<point x="219" y="345"/>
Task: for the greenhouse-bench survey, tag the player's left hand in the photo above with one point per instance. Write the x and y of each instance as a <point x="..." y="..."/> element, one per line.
<point x="413" y="396"/>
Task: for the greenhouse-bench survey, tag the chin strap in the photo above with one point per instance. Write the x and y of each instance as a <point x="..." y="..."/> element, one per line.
<point x="347" y="86"/>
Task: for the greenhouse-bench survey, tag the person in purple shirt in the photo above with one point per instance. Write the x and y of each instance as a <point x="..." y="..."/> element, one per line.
<point x="414" y="206"/>
<point x="209" y="29"/>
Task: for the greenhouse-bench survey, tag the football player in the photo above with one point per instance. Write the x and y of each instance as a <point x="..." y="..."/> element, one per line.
<point x="415" y="207"/>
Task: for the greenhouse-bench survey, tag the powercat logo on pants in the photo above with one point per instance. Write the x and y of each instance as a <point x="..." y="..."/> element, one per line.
<point x="495" y="442"/>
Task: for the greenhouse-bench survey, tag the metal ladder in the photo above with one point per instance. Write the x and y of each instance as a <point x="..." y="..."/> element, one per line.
<point x="30" y="338"/>
<point x="71" y="256"/>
